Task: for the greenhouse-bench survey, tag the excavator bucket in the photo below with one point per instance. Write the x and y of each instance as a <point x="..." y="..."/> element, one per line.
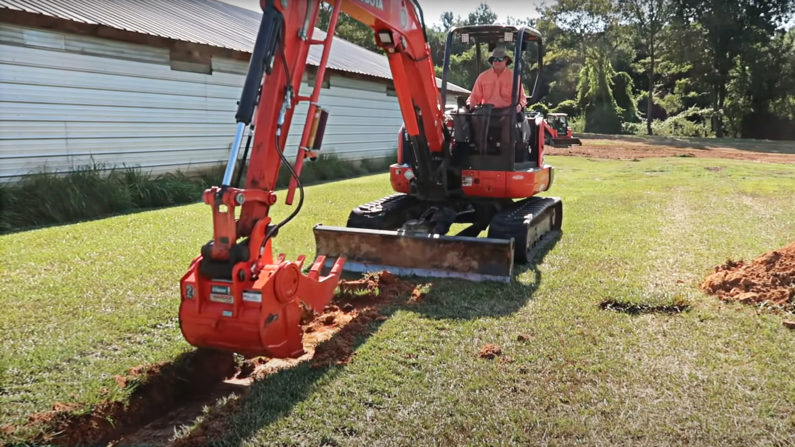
<point x="405" y="254"/>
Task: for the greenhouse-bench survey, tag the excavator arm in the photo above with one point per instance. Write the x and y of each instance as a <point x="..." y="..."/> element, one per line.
<point x="236" y="295"/>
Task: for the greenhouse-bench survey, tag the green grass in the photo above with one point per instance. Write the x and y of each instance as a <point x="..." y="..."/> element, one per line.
<point x="86" y="301"/>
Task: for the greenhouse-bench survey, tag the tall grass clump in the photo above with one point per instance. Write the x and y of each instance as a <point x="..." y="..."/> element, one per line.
<point x="44" y="198"/>
<point x="330" y="167"/>
<point x="93" y="191"/>
<point x="89" y="192"/>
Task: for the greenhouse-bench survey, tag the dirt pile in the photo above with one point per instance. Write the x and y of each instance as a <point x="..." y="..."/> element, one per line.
<point x="490" y="351"/>
<point x="768" y="280"/>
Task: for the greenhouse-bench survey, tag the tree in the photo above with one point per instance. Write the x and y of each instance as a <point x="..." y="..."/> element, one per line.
<point x="448" y="21"/>
<point x="595" y="94"/>
<point x="649" y="17"/>
<point x="348" y="28"/>
<point x="585" y="20"/>
<point x="727" y="28"/>
<point x="761" y="89"/>
<point x="561" y="60"/>
<point x="483" y="15"/>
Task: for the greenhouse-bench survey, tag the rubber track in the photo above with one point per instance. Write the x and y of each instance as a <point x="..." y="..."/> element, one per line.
<point x="386" y="213"/>
<point x="516" y="222"/>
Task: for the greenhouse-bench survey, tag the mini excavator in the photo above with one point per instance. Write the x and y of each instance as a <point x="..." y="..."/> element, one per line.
<point x="473" y="169"/>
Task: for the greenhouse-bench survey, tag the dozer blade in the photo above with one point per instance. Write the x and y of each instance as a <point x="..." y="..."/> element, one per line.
<point x="566" y="141"/>
<point x="366" y="250"/>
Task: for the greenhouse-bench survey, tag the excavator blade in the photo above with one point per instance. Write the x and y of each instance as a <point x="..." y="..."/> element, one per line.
<point x="565" y="142"/>
<point x="426" y="255"/>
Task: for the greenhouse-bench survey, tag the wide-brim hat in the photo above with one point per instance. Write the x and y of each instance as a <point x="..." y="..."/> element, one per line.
<point x="500" y="52"/>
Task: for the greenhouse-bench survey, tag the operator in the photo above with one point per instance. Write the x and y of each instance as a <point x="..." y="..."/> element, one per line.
<point x="494" y="87"/>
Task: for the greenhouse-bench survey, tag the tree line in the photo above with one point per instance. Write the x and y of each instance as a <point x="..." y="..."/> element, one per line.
<point x="723" y="68"/>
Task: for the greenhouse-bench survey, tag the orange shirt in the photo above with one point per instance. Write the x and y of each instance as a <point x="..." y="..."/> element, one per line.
<point x="493" y="88"/>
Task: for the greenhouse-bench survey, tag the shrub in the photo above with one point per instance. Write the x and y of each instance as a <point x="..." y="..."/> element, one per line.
<point x="377" y="164"/>
<point x="93" y="191"/>
<point x="633" y="128"/>
<point x="577" y="125"/>
<point x="44" y="198"/>
<point x="179" y="188"/>
<point x="569" y="107"/>
<point x="595" y="95"/>
<point x="693" y="122"/>
<point x="540" y="108"/>
<point x="622" y="92"/>
<point x="89" y="192"/>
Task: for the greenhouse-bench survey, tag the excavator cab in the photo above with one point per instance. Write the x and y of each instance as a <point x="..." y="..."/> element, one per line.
<point x="485" y="136"/>
<point x="481" y="182"/>
<point x="559" y="122"/>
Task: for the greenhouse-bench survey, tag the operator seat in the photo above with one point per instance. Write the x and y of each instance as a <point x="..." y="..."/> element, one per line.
<point x="482" y="128"/>
<point x="490" y="131"/>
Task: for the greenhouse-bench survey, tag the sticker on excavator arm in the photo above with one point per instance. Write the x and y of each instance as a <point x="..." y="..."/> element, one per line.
<point x="252" y="296"/>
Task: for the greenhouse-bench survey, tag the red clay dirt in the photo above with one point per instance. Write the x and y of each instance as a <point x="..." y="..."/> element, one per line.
<point x="619" y="149"/>
<point x="767" y="280"/>
<point x="170" y="395"/>
<point x="157" y="387"/>
<point x="490" y="351"/>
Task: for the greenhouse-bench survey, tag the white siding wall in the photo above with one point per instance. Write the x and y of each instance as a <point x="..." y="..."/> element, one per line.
<point x="69" y="100"/>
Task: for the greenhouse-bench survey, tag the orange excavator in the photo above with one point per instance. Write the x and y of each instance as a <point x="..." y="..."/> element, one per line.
<point x="479" y="168"/>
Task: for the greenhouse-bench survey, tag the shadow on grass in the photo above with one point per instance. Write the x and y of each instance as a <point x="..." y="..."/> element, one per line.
<point x="274" y="397"/>
<point x="457" y="300"/>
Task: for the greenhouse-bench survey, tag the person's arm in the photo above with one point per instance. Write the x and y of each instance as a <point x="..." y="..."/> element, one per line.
<point x="476" y="97"/>
<point x="522" y="97"/>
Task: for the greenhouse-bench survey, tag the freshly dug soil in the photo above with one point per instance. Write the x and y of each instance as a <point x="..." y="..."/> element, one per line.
<point x="619" y="149"/>
<point x="159" y="388"/>
<point x="490" y="351"/>
<point x="768" y="279"/>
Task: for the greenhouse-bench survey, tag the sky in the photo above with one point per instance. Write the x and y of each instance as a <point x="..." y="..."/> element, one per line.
<point x="433" y="9"/>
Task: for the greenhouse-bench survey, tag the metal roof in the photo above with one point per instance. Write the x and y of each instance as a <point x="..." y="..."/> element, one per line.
<point x="207" y="22"/>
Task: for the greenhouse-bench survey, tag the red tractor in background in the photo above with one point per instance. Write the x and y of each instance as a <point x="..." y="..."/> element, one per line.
<point x="560" y="134"/>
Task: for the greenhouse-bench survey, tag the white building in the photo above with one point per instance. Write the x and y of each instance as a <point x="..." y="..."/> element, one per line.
<point x="155" y="84"/>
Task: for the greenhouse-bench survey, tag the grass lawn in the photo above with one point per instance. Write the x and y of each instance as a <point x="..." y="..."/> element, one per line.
<point x="82" y="303"/>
